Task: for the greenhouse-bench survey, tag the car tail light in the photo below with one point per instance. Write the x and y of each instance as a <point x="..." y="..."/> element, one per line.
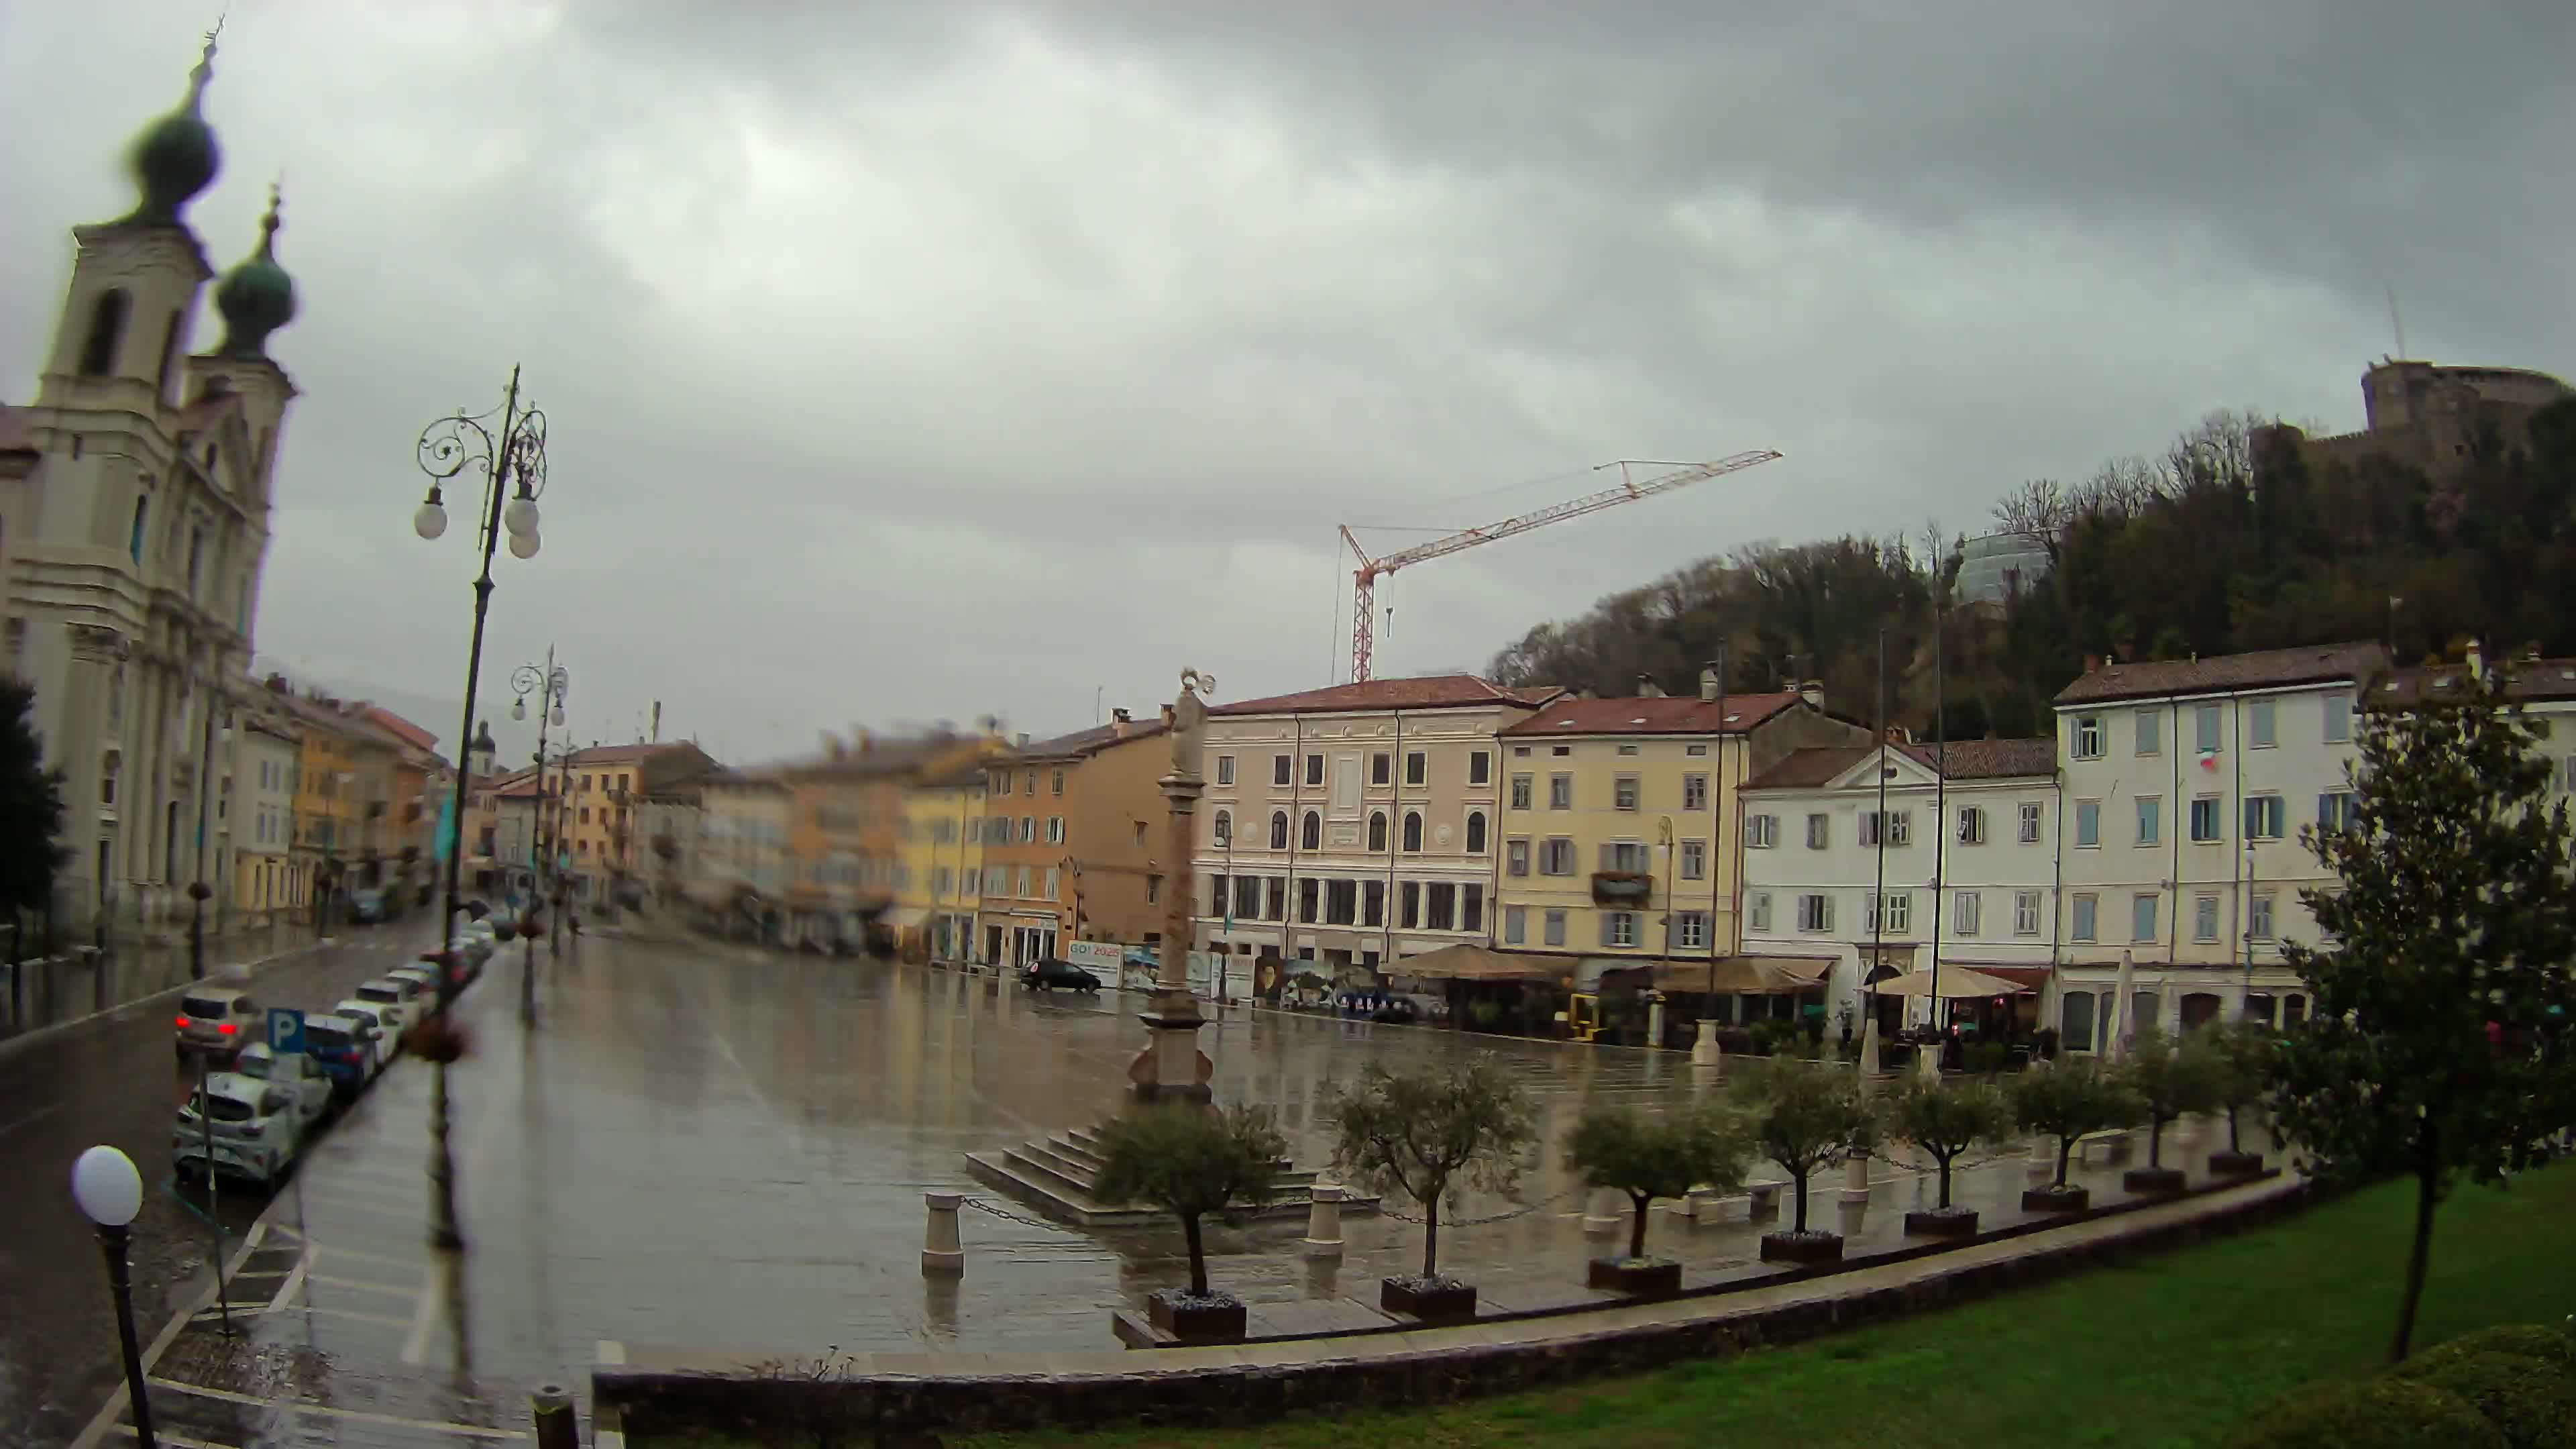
<point x="226" y="1027"/>
<point x="183" y="1021"/>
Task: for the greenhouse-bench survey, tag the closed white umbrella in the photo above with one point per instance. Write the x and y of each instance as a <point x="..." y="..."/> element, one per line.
<point x="2120" y="1007"/>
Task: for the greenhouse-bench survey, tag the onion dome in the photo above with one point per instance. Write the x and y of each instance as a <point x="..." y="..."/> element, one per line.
<point x="257" y="296"/>
<point x="176" y="156"/>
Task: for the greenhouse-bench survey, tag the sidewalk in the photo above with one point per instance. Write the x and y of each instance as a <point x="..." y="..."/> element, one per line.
<point x="44" y="994"/>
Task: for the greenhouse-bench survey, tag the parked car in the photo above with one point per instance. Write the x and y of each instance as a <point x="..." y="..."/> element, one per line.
<point x="345" y="1049"/>
<point x="294" y="1072"/>
<point x="238" y="1126"/>
<point x="424" y="976"/>
<point x="1052" y="974"/>
<point x="398" y="999"/>
<point x="386" y="1037"/>
<point x="369" y="906"/>
<point x="215" y="1022"/>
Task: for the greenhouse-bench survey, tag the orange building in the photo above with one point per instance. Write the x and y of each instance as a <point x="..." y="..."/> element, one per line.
<point x="1073" y="830"/>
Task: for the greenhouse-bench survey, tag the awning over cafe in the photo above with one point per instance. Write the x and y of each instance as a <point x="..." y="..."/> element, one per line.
<point x="1957" y="983"/>
<point x="1468" y="962"/>
<point x="1737" y="975"/>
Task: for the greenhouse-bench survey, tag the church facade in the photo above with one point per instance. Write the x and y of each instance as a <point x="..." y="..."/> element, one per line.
<point x="134" y="507"/>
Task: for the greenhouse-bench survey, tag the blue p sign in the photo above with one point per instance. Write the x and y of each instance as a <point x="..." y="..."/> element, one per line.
<point x="285" y="1030"/>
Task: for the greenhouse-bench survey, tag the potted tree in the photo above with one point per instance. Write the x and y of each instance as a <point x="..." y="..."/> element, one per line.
<point x="1944" y="1120"/>
<point x="2244" y="1052"/>
<point x="1419" y="1133"/>
<point x="1647" y="1158"/>
<point x="1194" y="1163"/>
<point x="2168" y="1078"/>
<point x="1808" y="1116"/>
<point x="2067" y="1101"/>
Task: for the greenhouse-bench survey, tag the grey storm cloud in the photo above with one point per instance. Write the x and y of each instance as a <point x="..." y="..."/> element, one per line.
<point x="910" y="362"/>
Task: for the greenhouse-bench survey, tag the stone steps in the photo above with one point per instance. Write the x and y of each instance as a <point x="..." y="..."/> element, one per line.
<point x="1057" y="1177"/>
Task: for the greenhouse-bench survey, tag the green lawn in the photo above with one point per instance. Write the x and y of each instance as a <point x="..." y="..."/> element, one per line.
<point x="2167" y="1351"/>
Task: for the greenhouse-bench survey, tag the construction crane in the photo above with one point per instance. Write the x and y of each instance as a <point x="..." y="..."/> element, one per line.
<point x="1364" y="578"/>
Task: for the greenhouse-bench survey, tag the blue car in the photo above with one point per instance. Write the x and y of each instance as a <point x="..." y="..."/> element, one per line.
<point x="340" y="1047"/>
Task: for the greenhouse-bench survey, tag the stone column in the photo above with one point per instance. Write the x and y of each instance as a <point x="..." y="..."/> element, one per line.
<point x="1324" y="1222"/>
<point x="1171" y="1065"/>
<point x="942" y="1251"/>
<point x="1704" y="1049"/>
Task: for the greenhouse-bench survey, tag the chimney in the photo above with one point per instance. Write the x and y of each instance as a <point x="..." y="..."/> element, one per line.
<point x="1020" y="740"/>
<point x="867" y="741"/>
<point x="2092" y="663"/>
<point x="1813" y="692"/>
<point x="2477" y="660"/>
<point x="1647" y="688"/>
<point x="1167" y="716"/>
<point x="1708" y="684"/>
<point x="1119" y="724"/>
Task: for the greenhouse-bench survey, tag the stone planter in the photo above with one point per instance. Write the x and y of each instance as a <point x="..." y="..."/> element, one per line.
<point x="2152" y="1181"/>
<point x="1949" y="1222"/>
<point x="1636" y="1277"/>
<point x="2235" y="1164"/>
<point x="2055" y="1200"/>
<point x="1803" y="1249"/>
<point x="1217" y="1318"/>
<point x="1433" y="1300"/>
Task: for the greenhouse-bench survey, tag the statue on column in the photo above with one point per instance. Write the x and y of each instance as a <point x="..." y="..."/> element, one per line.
<point x="1189" y="722"/>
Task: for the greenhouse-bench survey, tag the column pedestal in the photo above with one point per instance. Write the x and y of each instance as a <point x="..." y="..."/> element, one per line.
<point x="1171" y="1067"/>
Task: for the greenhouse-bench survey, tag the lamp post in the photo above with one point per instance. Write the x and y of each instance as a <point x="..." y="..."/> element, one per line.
<point x="509" y="450"/>
<point x="110" y="1192"/>
<point x="550" y="684"/>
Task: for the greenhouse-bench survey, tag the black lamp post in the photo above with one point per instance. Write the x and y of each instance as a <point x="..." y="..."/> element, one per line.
<point x="110" y="1192"/>
<point x="550" y="684"/>
<point x="509" y="450"/>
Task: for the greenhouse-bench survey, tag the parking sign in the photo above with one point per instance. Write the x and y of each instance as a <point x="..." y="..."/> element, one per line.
<point x="285" y="1030"/>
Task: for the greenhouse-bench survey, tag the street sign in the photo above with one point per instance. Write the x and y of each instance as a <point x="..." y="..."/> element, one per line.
<point x="285" y="1030"/>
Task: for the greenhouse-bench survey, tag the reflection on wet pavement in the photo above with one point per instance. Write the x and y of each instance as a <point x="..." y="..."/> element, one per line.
<point x="709" y="1148"/>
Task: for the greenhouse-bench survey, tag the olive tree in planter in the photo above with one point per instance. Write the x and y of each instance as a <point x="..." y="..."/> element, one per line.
<point x="1193" y="1162"/>
<point x="1807" y="1117"/>
<point x="1421" y="1133"/>
<point x="2244" y="1052"/>
<point x="2067" y="1101"/>
<point x="1647" y="1158"/>
<point x="1944" y="1120"/>
<point x="2168" y="1078"/>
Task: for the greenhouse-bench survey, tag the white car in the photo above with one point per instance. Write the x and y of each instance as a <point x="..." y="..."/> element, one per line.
<point x="378" y="1019"/>
<point x="294" y="1072"/>
<point x="423" y="976"/>
<point x="396" y="999"/>
<point x="239" y="1126"/>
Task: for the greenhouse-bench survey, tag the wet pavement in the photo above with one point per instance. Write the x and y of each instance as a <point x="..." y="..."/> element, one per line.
<point x="112" y="1079"/>
<point x="707" y="1147"/>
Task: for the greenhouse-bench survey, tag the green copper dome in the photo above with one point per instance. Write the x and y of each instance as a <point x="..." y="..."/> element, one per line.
<point x="176" y="156"/>
<point x="257" y="296"/>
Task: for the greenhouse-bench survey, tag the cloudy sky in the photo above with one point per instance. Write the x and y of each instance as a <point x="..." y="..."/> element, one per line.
<point x="910" y="362"/>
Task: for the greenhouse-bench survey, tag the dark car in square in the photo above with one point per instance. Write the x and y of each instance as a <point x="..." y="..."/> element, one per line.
<point x="1054" y="975"/>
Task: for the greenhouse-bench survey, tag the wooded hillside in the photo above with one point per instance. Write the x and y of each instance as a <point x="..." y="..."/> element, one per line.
<point x="2208" y="549"/>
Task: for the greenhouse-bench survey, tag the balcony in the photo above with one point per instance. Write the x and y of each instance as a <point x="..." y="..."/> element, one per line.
<point x="1622" y="888"/>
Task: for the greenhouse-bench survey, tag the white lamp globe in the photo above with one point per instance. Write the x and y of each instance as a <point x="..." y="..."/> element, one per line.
<point x="430" y="521"/>
<point x="558" y="714"/>
<point x="519" y="709"/>
<point x="108" y="1189"/>
<point x="521" y="515"/>
<point x="523" y="545"/>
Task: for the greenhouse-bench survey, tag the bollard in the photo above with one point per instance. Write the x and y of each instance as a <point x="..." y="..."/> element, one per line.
<point x="1606" y="1212"/>
<point x="1705" y="1051"/>
<point x="941" y="1250"/>
<point x="1324" y="1222"/>
<point x="550" y="1406"/>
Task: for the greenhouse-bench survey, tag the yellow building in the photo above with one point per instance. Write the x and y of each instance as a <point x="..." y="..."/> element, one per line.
<point x="1614" y="844"/>
<point x="940" y="859"/>
<point x="327" y="799"/>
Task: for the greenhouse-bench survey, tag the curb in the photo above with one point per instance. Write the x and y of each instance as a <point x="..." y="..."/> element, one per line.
<point x="237" y="968"/>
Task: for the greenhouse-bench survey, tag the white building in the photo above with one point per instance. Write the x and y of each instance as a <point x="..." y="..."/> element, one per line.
<point x="1354" y="825"/>
<point x="2544" y="688"/>
<point x="1960" y="869"/>
<point x="136" y="536"/>
<point x="2185" y="784"/>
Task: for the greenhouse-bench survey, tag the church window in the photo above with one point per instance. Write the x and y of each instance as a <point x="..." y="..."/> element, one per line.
<point x="196" y="558"/>
<point x="142" y="512"/>
<point x="106" y="329"/>
<point x="169" y="352"/>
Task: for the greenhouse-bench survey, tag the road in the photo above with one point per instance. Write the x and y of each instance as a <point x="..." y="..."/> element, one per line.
<point x="113" y="1080"/>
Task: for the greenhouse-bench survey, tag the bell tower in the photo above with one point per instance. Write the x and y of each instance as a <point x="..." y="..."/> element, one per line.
<point x="135" y="280"/>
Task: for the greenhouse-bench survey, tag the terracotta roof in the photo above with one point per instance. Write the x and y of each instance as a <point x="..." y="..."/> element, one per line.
<point x="2526" y="679"/>
<point x="1677" y="714"/>
<point x="1082" y="743"/>
<point x="1812" y="767"/>
<point x="1430" y="691"/>
<point x="399" y="726"/>
<point x="2264" y="669"/>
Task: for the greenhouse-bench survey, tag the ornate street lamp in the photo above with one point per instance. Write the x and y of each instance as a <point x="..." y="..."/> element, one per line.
<point x="110" y="1193"/>
<point x="509" y="449"/>
<point x="550" y="684"/>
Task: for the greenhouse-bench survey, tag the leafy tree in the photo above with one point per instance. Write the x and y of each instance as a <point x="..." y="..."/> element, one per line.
<point x="2243" y="1055"/>
<point x="2169" y="1078"/>
<point x="1192" y="1162"/>
<point x="31" y="802"/>
<point x="2069" y="1100"/>
<point x="1417" y="1132"/>
<point x="1651" y="1157"/>
<point x="1945" y="1120"/>
<point x="2451" y="916"/>
<point x="1807" y="1116"/>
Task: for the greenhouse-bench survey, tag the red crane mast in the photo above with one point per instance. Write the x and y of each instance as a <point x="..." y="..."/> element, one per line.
<point x="1364" y="578"/>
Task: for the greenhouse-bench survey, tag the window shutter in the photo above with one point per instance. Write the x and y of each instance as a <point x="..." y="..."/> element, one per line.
<point x="1603" y="918"/>
<point x="1609" y="858"/>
